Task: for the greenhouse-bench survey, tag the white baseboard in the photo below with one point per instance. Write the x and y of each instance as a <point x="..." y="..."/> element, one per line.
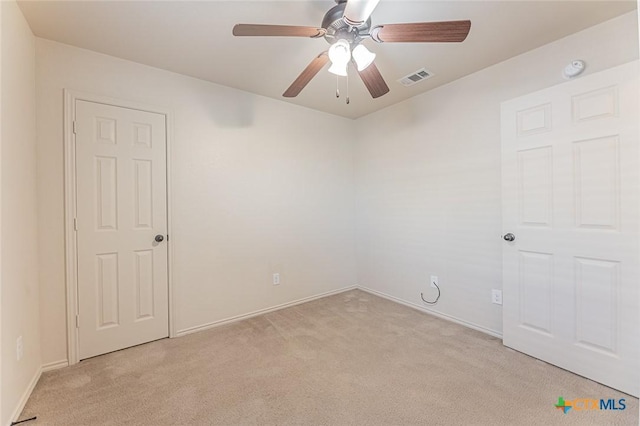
<point x="451" y="318"/>
<point x="32" y="384"/>
<point x="468" y="324"/>
<point x="218" y="323"/>
<point x="55" y="365"/>
<point x="25" y="395"/>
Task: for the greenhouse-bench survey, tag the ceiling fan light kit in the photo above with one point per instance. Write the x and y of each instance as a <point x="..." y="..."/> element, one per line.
<point x="338" y="69"/>
<point x="339" y="55"/>
<point x="363" y="57"/>
<point x="345" y="26"/>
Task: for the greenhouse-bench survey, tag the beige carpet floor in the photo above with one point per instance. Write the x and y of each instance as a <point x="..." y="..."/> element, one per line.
<point x="348" y="359"/>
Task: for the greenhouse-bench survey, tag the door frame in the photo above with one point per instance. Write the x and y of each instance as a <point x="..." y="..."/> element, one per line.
<point x="70" y="208"/>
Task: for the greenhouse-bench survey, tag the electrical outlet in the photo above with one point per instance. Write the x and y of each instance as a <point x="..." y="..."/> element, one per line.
<point x="276" y="278"/>
<point x="19" y="348"/>
<point x="434" y="280"/>
<point x="496" y="297"/>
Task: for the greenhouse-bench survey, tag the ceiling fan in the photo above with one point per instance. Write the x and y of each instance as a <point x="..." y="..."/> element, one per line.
<point x="345" y="26"/>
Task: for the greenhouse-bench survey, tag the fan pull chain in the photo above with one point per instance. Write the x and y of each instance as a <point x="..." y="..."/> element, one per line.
<point x="348" y="100"/>
<point x="337" y="86"/>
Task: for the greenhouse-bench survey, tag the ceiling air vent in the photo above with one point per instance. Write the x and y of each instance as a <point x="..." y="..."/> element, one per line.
<point x="413" y="78"/>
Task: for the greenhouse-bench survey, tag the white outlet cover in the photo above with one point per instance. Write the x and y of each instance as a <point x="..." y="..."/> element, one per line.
<point x="19" y="348"/>
<point x="276" y="279"/>
<point x="496" y="297"/>
<point x="434" y="279"/>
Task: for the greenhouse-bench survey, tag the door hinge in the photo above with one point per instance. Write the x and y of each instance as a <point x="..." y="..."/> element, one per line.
<point x="75" y="224"/>
<point x="74" y="127"/>
<point x="77" y="321"/>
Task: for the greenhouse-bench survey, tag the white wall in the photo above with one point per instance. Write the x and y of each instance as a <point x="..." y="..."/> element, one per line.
<point x="18" y="225"/>
<point x="258" y="186"/>
<point x="428" y="177"/>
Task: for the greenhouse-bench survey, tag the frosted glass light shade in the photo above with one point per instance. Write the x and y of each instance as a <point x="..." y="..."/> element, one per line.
<point x="340" y="52"/>
<point x="363" y="57"/>
<point x="338" y="69"/>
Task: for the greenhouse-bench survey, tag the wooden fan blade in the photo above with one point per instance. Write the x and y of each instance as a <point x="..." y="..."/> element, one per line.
<point x="305" y="77"/>
<point x="439" y="32"/>
<point x="372" y="78"/>
<point x="277" y="30"/>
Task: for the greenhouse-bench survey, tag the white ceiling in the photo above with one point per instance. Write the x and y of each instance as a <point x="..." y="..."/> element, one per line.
<point x="194" y="38"/>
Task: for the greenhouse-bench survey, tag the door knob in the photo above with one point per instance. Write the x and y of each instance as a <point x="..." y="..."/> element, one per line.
<point x="509" y="237"/>
<point x="159" y="238"/>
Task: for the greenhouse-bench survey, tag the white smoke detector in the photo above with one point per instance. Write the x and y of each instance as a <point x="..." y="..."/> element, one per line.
<point x="574" y="69"/>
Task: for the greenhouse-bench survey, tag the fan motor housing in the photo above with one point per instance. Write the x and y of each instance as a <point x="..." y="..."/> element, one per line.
<point x="337" y="28"/>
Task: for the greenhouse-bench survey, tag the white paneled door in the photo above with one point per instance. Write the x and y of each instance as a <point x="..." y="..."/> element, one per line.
<point x="571" y="201"/>
<point x="121" y="197"/>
